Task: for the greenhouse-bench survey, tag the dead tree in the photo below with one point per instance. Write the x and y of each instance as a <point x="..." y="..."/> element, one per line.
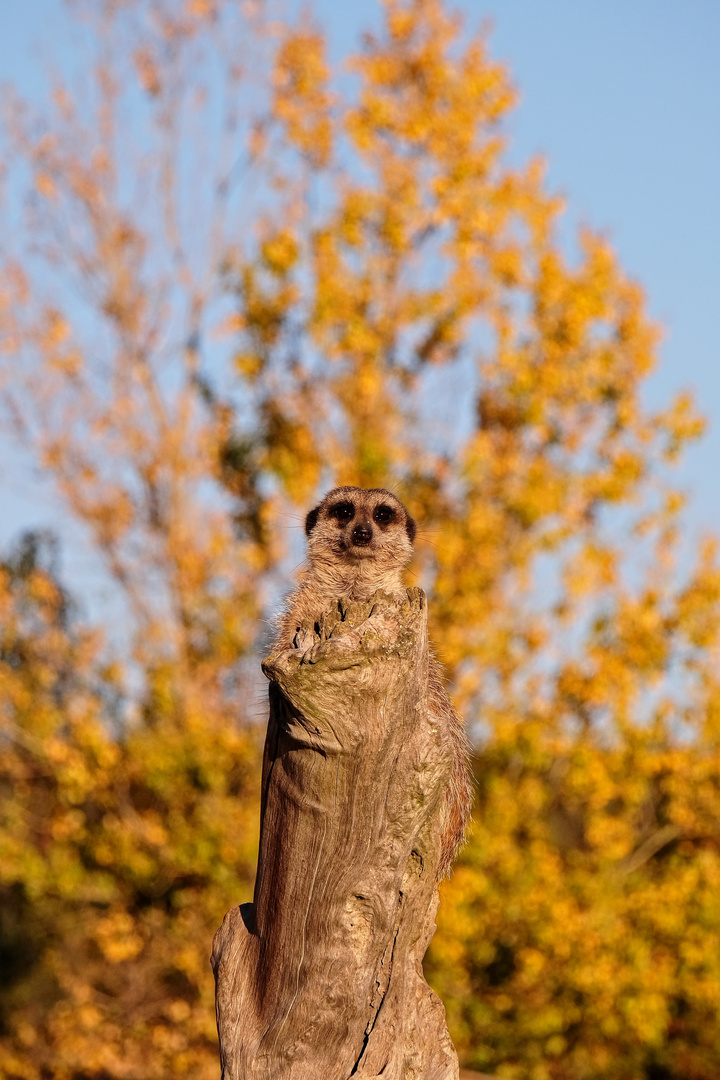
<point x="320" y="978"/>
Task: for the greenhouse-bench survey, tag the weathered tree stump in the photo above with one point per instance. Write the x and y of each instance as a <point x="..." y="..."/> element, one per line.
<point x="320" y="978"/>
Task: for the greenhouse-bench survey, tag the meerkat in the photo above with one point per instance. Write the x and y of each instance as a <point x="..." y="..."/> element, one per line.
<point x="359" y="541"/>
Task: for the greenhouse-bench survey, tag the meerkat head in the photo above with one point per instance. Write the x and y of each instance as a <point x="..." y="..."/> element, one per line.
<point x="352" y="525"/>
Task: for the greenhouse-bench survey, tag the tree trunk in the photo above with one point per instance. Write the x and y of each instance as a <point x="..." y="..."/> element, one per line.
<point x="320" y="978"/>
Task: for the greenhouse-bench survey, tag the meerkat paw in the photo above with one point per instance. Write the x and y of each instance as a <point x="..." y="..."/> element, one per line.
<point x="332" y="651"/>
<point x="304" y="639"/>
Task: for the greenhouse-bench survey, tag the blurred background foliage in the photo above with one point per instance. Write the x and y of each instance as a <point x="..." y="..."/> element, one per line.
<point x="229" y="278"/>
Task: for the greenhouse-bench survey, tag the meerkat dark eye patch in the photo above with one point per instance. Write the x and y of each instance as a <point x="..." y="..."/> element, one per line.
<point x="384" y="515"/>
<point x="342" y="511"/>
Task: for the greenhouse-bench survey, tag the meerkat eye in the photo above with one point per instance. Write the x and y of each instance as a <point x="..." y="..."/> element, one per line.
<point x="343" y="511"/>
<point x="384" y="515"/>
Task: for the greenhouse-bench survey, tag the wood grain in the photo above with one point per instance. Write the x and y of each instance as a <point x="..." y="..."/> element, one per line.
<point x="320" y="978"/>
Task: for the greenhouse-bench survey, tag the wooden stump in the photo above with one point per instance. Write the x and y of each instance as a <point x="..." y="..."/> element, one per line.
<point x="320" y="978"/>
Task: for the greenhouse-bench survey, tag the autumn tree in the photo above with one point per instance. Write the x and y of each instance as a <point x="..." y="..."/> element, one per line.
<point x="230" y="276"/>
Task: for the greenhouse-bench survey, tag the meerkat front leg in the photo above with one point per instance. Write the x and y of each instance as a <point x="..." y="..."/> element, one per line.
<point x="339" y="640"/>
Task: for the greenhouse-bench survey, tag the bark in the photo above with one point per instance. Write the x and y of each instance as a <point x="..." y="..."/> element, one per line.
<point x="320" y="978"/>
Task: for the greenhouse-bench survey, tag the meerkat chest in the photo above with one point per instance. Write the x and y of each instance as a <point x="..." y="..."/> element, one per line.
<point x="356" y="582"/>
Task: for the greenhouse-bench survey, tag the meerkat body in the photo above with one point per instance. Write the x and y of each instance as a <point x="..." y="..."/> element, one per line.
<point x="359" y="542"/>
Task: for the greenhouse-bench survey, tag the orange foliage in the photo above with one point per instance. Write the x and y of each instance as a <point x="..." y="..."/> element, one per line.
<point x="243" y="278"/>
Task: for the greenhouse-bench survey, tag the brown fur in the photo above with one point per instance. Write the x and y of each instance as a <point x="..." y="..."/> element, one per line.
<point x="359" y="541"/>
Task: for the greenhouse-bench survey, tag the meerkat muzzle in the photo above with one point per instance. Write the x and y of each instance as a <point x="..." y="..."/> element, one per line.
<point x="361" y="535"/>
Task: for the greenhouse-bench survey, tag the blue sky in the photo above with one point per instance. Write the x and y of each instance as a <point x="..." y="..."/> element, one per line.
<point x="622" y="98"/>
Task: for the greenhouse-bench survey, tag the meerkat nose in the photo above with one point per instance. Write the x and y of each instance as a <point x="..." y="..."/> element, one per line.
<point x="361" y="535"/>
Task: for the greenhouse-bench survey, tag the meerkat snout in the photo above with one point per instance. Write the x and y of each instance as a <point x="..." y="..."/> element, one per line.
<point x="361" y="534"/>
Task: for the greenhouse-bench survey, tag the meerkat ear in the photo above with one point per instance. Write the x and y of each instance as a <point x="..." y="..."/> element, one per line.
<point x="410" y="528"/>
<point x="311" y="520"/>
